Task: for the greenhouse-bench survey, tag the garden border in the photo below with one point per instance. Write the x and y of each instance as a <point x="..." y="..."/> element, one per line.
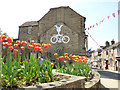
<point x="72" y="82"/>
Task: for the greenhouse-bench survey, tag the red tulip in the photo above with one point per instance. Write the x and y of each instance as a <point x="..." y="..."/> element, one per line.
<point x="15" y="50"/>
<point x="9" y="39"/>
<point x="11" y="48"/>
<point x="15" y="45"/>
<point x="22" y="48"/>
<point x="56" y="54"/>
<point x="2" y="37"/>
<point x="5" y="44"/>
<point x="30" y="46"/>
<point x="32" y="42"/>
<point x="24" y="43"/>
<point x="46" y="46"/>
<point x="34" y="45"/>
<point x="18" y="42"/>
<point x="67" y="57"/>
<point x="65" y="54"/>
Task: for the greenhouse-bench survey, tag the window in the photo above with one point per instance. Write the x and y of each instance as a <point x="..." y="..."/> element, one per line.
<point x="29" y="30"/>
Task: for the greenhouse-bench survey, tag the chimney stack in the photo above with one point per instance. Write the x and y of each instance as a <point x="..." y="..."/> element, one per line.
<point x="112" y="42"/>
<point x="107" y="44"/>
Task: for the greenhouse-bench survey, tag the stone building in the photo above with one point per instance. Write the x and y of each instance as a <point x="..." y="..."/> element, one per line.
<point x="109" y="55"/>
<point x="73" y="39"/>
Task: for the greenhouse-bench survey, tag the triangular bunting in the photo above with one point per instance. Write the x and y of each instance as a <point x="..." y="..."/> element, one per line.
<point x="113" y="14"/>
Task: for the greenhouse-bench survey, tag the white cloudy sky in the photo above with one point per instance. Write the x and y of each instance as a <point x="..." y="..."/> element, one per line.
<point x="13" y="13"/>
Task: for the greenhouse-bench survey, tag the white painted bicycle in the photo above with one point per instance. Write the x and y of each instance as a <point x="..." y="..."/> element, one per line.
<point x="59" y="37"/>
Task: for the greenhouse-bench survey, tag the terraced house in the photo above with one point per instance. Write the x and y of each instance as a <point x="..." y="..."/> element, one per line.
<point x="62" y="27"/>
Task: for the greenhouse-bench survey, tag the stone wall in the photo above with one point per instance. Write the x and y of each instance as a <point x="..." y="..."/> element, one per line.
<point x="74" y="82"/>
<point x="95" y="82"/>
<point x="25" y="36"/>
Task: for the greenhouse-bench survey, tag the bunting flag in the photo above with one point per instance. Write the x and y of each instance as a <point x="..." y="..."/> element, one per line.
<point x="89" y="50"/>
<point x="100" y="22"/>
<point x="96" y="24"/>
<point x="108" y="17"/>
<point x="118" y="12"/>
<point x="113" y="14"/>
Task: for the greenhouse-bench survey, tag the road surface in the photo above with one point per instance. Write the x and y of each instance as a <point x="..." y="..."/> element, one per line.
<point x="109" y="79"/>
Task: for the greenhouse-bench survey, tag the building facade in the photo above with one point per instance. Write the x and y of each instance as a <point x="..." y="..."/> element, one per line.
<point x="62" y="27"/>
<point x="107" y="58"/>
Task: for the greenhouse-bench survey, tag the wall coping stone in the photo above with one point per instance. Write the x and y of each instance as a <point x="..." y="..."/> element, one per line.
<point x="94" y="81"/>
<point x="56" y="84"/>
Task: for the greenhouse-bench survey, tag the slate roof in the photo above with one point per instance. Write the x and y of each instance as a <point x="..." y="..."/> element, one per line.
<point x="30" y="23"/>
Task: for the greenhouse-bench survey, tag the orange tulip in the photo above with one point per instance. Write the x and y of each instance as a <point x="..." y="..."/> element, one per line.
<point x="10" y="44"/>
<point x="65" y="54"/>
<point x="32" y="42"/>
<point x="66" y="57"/>
<point x="46" y="46"/>
<point x="2" y="37"/>
<point x="18" y="42"/>
<point x="37" y="44"/>
<point x="5" y="44"/>
<point x="30" y="46"/>
<point x="57" y="59"/>
<point x="70" y="56"/>
<point x="36" y="48"/>
<point x="73" y="56"/>
<point x="56" y="54"/>
<point x="11" y="48"/>
<point x="49" y="45"/>
<point x="61" y="57"/>
<point x="15" y="45"/>
<point x="41" y="51"/>
<point x="43" y="45"/>
<point x="9" y="39"/>
<point x="39" y="48"/>
<point x="15" y="50"/>
<point x="24" y="43"/>
<point x="51" y="64"/>
<point x="75" y="60"/>
<point x="22" y="48"/>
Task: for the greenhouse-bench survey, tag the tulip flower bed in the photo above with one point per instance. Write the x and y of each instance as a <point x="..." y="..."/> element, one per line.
<point x="26" y="73"/>
<point x="19" y="71"/>
<point x="74" y="65"/>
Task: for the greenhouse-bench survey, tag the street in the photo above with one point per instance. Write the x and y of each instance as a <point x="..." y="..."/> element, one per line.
<point x="109" y="79"/>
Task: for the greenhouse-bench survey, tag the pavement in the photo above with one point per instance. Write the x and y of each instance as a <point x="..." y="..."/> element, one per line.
<point x="110" y="80"/>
